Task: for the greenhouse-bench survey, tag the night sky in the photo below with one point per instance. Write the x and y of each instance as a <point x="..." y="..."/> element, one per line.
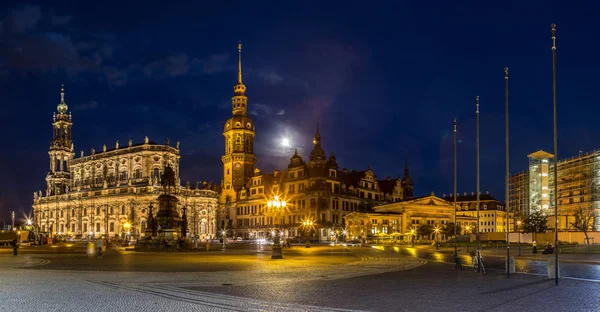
<point x="385" y="82"/>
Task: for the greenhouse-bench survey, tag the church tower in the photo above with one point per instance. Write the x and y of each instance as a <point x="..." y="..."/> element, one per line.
<point x="61" y="149"/>
<point x="239" y="158"/>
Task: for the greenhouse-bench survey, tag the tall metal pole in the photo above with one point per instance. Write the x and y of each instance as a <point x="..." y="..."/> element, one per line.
<point x="506" y="178"/>
<point x="477" y="164"/>
<point x="555" y="154"/>
<point x="13" y="221"/>
<point x="455" y="242"/>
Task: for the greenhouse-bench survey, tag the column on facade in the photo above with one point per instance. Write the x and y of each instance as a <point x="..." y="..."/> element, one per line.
<point x="404" y="225"/>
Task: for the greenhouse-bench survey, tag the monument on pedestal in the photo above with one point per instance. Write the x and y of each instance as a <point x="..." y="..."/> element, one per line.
<point x="167" y="216"/>
<point x="167" y="225"/>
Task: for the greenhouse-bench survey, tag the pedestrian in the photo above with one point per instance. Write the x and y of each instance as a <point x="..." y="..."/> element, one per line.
<point x="534" y="244"/>
<point x="207" y="244"/>
<point x="99" y="248"/>
<point x="15" y="246"/>
<point x="457" y="263"/>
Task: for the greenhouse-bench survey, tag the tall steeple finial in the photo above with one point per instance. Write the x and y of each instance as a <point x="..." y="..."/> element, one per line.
<point x="240" y="62"/>
<point x="239" y="101"/>
<point x="62" y="106"/>
<point x="317" y="139"/>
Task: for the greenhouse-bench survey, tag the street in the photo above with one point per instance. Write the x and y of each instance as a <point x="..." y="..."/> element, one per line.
<point x="496" y="259"/>
<point x="244" y="278"/>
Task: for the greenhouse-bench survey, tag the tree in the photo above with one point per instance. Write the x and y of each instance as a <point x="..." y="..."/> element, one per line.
<point x="448" y="229"/>
<point x="365" y="207"/>
<point x="425" y="230"/>
<point x="535" y="223"/>
<point x="584" y="221"/>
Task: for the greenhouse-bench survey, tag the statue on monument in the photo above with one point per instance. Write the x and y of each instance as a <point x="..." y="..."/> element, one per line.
<point x="168" y="180"/>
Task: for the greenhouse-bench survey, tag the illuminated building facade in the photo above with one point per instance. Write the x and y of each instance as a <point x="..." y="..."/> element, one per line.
<point x="578" y="187"/>
<point x="96" y="195"/>
<point x="492" y="213"/>
<point x="317" y="190"/>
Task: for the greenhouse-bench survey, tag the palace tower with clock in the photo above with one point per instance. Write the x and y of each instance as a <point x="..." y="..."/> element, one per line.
<point x="239" y="159"/>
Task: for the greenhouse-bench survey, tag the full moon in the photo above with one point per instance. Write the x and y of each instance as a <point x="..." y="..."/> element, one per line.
<point x="285" y="142"/>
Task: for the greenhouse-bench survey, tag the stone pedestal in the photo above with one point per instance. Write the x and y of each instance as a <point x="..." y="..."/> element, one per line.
<point x="277" y="252"/>
<point x="167" y="216"/>
<point x="552" y="267"/>
<point x="511" y="266"/>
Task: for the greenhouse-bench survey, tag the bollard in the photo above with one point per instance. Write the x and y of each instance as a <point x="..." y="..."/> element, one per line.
<point x="551" y="268"/>
<point x="512" y="265"/>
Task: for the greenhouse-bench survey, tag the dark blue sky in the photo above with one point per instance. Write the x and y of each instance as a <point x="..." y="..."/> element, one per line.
<point x="386" y="82"/>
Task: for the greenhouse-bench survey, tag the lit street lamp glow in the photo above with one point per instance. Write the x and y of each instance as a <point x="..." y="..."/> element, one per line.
<point x="276" y="203"/>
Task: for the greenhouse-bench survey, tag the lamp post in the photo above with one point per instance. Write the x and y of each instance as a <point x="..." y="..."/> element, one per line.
<point x="519" y="243"/>
<point x="224" y="236"/>
<point x="307" y="224"/>
<point x="13" y="220"/>
<point x="468" y="237"/>
<point x="276" y="204"/>
<point x="412" y="235"/>
<point x="437" y="233"/>
<point x="127" y="226"/>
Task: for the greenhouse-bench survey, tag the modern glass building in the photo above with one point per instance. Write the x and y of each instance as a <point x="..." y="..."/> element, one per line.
<point x="578" y="188"/>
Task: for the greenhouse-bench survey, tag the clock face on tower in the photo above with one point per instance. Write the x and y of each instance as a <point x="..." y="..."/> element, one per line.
<point x="237" y="166"/>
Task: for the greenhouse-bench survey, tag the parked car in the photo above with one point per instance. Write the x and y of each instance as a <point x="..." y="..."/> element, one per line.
<point x="354" y="243"/>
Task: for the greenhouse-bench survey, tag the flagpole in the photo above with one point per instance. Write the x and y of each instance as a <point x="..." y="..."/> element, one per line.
<point x="455" y="225"/>
<point x="477" y="166"/>
<point x="555" y="154"/>
<point x="506" y="178"/>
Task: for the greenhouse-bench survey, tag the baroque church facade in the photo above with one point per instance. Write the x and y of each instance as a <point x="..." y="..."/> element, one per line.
<point x="316" y="192"/>
<point x="108" y="193"/>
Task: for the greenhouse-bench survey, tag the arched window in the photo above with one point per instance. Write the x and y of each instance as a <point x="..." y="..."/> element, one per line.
<point x="123" y="210"/>
<point x="84" y="211"/>
<point x="137" y="174"/>
<point x="155" y="172"/>
<point x="97" y="210"/>
<point x="72" y="212"/>
<point x="143" y="225"/>
<point x="203" y="228"/>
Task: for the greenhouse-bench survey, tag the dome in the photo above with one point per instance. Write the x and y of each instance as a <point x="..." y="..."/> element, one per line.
<point x="318" y="154"/>
<point x="296" y="160"/>
<point x="239" y="122"/>
<point x="332" y="162"/>
<point x="62" y="106"/>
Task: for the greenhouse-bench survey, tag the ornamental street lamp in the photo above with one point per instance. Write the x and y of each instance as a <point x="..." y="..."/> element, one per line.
<point x="276" y="204"/>
<point x="412" y="235"/>
<point x="307" y="224"/>
<point x="13" y="220"/>
<point x="126" y="227"/>
<point x="437" y="233"/>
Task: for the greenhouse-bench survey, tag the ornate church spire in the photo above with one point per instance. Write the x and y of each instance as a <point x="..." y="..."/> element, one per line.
<point x="317" y="139"/>
<point x="240" y="63"/>
<point x="62" y="106"/>
<point x="317" y="154"/>
<point x="239" y="101"/>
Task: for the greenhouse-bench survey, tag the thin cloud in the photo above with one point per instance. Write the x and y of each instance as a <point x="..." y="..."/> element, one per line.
<point x="88" y="105"/>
